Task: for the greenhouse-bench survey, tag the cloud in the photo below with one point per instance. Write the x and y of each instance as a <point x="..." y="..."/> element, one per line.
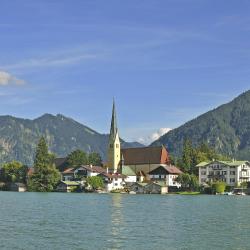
<point x="50" y="61"/>
<point x="154" y="136"/>
<point x="8" y="79"/>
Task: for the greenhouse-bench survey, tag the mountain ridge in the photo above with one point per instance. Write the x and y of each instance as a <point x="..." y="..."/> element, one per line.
<point x="225" y="128"/>
<point x="19" y="137"/>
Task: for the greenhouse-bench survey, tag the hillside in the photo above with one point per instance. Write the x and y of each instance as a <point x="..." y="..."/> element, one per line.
<point x="18" y="137"/>
<point x="226" y="128"/>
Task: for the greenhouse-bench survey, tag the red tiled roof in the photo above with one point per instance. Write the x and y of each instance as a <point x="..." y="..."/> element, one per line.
<point x="169" y="169"/>
<point x="69" y="171"/>
<point x="173" y="170"/>
<point x="146" y="155"/>
<point x="95" y="169"/>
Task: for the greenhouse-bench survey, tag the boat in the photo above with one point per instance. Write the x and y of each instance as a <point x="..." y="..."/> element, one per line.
<point x="241" y="193"/>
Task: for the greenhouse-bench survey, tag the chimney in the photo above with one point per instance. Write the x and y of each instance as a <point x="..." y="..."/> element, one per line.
<point x="107" y="170"/>
<point x="91" y="166"/>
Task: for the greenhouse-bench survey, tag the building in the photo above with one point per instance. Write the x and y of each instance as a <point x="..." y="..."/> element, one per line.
<point x="68" y="186"/>
<point x="114" y="146"/>
<point x="234" y="173"/>
<point x="145" y="159"/>
<point x="113" y="181"/>
<point x="168" y="174"/>
<point x="156" y="188"/>
<point x="18" y="187"/>
<point x="131" y="176"/>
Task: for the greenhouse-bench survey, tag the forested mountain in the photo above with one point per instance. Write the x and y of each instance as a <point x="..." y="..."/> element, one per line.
<point x="226" y="129"/>
<point x="19" y="137"/>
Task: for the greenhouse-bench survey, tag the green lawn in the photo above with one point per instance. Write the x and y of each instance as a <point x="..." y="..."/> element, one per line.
<point x="188" y="193"/>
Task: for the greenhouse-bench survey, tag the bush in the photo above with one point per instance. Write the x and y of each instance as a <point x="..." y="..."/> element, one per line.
<point x="219" y="187"/>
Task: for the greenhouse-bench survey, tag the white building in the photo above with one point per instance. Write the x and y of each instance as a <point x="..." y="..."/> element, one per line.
<point x="231" y="172"/>
<point x="166" y="173"/>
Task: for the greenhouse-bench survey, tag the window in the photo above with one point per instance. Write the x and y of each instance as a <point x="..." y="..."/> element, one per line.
<point x="203" y="172"/>
<point x="232" y="172"/>
<point x="117" y="145"/>
<point x="232" y="180"/>
<point x="224" y="172"/>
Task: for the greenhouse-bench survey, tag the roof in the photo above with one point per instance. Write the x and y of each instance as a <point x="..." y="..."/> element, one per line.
<point x="19" y="184"/>
<point x="113" y="128"/>
<point x="71" y="183"/>
<point x="126" y="170"/>
<point x="94" y="169"/>
<point x="228" y="163"/>
<point x="145" y="155"/>
<point x="158" y="183"/>
<point x="169" y="169"/>
<point x="69" y="171"/>
<point x="113" y="176"/>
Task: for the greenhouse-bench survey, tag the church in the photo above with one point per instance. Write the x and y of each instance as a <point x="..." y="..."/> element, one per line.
<point x="139" y="164"/>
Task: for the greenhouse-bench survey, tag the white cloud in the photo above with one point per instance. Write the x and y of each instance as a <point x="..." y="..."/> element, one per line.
<point x="50" y="61"/>
<point x="8" y="79"/>
<point x="154" y="136"/>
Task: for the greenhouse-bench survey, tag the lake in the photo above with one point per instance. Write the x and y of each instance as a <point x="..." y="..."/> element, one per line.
<point x="105" y="221"/>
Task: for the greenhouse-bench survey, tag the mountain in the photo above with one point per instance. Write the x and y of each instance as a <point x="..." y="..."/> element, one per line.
<point x="226" y="128"/>
<point x="19" y="137"/>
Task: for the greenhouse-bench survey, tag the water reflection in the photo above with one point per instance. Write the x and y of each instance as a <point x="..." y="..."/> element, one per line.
<point x="117" y="222"/>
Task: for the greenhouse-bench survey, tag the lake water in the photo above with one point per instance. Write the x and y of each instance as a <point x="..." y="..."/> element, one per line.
<point x="96" y="221"/>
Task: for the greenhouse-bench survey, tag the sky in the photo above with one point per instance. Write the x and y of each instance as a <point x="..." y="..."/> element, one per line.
<point x="165" y="62"/>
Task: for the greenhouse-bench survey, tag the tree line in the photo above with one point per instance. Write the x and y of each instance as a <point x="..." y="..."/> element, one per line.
<point x="45" y="176"/>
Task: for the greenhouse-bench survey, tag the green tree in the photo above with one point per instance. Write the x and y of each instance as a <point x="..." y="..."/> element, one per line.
<point x="95" y="182"/>
<point x="45" y="176"/>
<point x="187" y="156"/>
<point x="188" y="181"/>
<point x="77" y="158"/>
<point x="14" y="172"/>
<point x="219" y="187"/>
<point x="95" y="159"/>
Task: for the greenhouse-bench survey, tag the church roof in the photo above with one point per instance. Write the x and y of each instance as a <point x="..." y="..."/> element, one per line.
<point x="145" y="155"/>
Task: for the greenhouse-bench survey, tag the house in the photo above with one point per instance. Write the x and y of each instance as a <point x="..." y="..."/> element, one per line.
<point x="129" y="173"/>
<point x="68" y="186"/>
<point x="156" y="188"/>
<point x="233" y="173"/>
<point x="90" y="171"/>
<point x="69" y="174"/>
<point x="137" y="188"/>
<point x="18" y="187"/>
<point x="144" y="159"/>
<point x="113" y="181"/>
<point x="166" y="173"/>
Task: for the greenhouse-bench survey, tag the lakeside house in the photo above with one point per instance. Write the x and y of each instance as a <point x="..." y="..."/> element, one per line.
<point x="17" y="187"/>
<point x="233" y="173"/>
<point x="68" y="186"/>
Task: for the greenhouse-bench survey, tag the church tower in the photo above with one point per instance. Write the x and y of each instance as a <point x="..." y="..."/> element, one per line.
<point x="114" y="147"/>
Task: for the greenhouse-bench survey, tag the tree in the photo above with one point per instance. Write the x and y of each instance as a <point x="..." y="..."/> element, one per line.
<point x="188" y="181"/>
<point x="77" y="158"/>
<point x="45" y="176"/>
<point x="95" y="159"/>
<point x="187" y="156"/>
<point x="14" y="172"/>
<point x="95" y="182"/>
<point x="219" y="187"/>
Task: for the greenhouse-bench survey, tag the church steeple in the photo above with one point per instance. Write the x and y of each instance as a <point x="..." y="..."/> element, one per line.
<point x="114" y="153"/>
<point x="113" y="128"/>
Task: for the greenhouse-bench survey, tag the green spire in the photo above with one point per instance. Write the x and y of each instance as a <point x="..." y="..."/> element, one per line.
<point x="113" y="129"/>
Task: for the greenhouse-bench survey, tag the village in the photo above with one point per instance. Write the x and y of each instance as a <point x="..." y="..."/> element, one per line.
<point x="143" y="170"/>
